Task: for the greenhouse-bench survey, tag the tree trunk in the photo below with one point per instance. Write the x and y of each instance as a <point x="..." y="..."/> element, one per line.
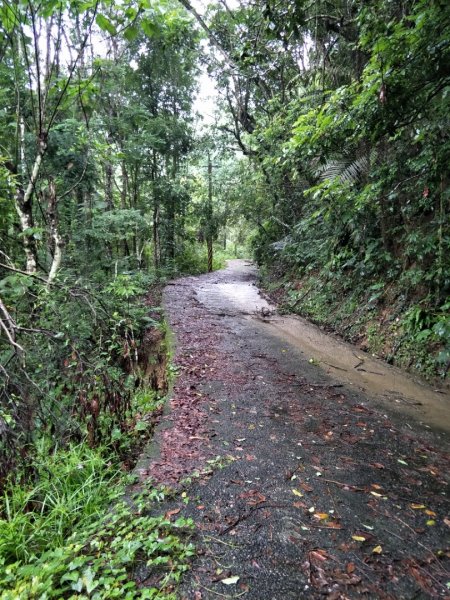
<point x="124" y="190"/>
<point x="156" y="241"/>
<point x="156" y="245"/>
<point x="24" y="207"/>
<point x="109" y="186"/>
<point x="24" y="210"/>
<point x="209" y="243"/>
<point x="171" y="227"/>
<point x="56" y="240"/>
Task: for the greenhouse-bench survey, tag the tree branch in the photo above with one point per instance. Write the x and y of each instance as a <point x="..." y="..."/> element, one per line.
<point x="14" y="270"/>
<point x="8" y="325"/>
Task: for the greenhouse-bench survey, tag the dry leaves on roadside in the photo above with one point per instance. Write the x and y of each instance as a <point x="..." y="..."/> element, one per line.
<point x="252" y="497"/>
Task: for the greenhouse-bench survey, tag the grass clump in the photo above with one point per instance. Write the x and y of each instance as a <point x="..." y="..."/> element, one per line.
<point x="70" y="536"/>
<point x="70" y="487"/>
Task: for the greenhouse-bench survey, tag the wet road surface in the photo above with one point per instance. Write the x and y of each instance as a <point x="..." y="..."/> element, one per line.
<point x="386" y="385"/>
<point x="305" y="486"/>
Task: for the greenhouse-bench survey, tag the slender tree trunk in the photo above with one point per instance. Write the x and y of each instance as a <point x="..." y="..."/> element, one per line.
<point x="135" y="195"/>
<point x="156" y="241"/>
<point x="172" y="210"/>
<point x="156" y="208"/>
<point x="55" y="237"/>
<point x="109" y="185"/>
<point x="385" y="215"/>
<point x="171" y="226"/>
<point x="209" y="213"/>
<point x="210" y="254"/>
<point x="124" y="190"/>
<point x="24" y="208"/>
<point x="123" y="200"/>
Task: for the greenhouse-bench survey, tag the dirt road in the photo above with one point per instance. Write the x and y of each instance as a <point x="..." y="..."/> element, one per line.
<point x="306" y="486"/>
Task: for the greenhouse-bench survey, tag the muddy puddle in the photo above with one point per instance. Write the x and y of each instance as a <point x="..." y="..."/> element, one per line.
<point x="232" y="291"/>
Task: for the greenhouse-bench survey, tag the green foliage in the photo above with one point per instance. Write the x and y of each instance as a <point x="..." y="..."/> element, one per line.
<point x="117" y="225"/>
<point x="58" y="540"/>
<point x="124" y="287"/>
<point x="71" y="488"/>
<point x="85" y="385"/>
<point x="431" y="326"/>
<point x="342" y="111"/>
<point x="194" y="259"/>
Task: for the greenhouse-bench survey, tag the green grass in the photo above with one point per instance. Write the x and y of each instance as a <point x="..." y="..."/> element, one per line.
<point x="69" y="535"/>
<point x="194" y="259"/>
<point x="69" y="487"/>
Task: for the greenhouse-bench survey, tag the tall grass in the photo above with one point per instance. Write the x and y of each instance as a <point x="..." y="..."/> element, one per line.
<point x="68" y="534"/>
<point x="70" y="488"/>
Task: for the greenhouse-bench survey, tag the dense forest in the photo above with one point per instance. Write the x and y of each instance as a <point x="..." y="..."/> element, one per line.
<point x="327" y="160"/>
<point x="341" y="109"/>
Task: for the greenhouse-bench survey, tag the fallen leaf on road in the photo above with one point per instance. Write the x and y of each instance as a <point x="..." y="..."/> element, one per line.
<point x="170" y="513"/>
<point x="318" y="555"/>
<point x="253" y="497"/>
<point x="306" y="487"/>
<point x="321" y="516"/>
<point x="333" y="525"/>
<point x="230" y="580"/>
<point x="297" y="493"/>
<point x="417" y="506"/>
<point x="367" y="537"/>
<point x="377" y="550"/>
<point x="345" y="579"/>
<point x="419" y="577"/>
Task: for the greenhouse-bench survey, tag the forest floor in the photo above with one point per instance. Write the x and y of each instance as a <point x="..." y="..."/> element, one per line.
<point x="300" y="485"/>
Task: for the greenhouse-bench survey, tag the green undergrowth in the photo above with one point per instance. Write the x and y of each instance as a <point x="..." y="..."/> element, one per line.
<point x="376" y="315"/>
<point x="71" y="532"/>
<point x="69" y="527"/>
<point x="194" y="259"/>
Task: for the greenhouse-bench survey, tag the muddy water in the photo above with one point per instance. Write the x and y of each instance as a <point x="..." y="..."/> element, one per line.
<point x="232" y="291"/>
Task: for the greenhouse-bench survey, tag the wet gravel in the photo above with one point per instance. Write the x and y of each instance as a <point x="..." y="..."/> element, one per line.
<point x="304" y="487"/>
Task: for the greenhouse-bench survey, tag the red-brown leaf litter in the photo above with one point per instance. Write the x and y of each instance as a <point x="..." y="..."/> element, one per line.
<point x="305" y="488"/>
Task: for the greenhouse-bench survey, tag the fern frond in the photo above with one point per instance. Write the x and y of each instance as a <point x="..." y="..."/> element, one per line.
<point x="349" y="169"/>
